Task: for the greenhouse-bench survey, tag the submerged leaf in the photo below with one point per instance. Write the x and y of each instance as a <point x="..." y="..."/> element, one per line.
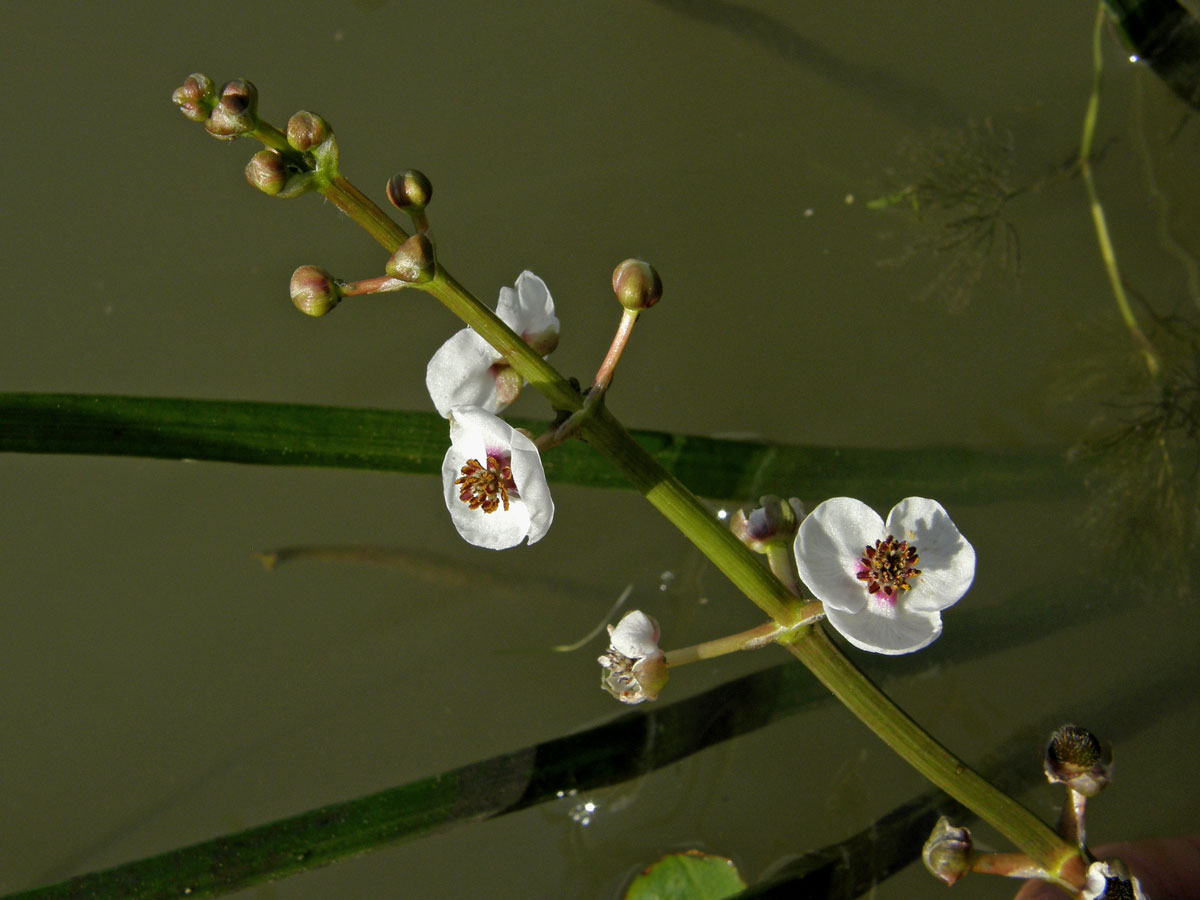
<point x="687" y="876"/>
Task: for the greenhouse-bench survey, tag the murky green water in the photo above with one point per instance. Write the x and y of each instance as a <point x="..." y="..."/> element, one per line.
<point x="160" y="688"/>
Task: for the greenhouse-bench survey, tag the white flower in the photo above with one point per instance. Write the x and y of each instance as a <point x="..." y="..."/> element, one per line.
<point x="494" y="482"/>
<point x="467" y="370"/>
<point x="634" y="668"/>
<point x="884" y="585"/>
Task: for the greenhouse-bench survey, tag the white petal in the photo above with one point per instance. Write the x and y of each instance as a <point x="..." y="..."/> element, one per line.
<point x="636" y="635"/>
<point x="898" y="630"/>
<point x="828" y="546"/>
<point x="477" y="429"/>
<point x="476" y="434"/>
<point x="529" y="308"/>
<point x="530" y="478"/>
<point x="947" y="561"/>
<point x="459" y="374"/>
<point x="497" y="530"/>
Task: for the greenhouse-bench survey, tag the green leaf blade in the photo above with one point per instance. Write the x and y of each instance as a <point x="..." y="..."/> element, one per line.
<point x="287" y="434"/>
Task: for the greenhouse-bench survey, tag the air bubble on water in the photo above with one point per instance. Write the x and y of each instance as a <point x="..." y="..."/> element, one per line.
<point x="583" y="813"/>
<point x="665" y="580"/>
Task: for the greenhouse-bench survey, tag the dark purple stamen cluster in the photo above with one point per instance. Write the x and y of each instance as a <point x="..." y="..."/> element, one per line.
<point x="888" y="566"/>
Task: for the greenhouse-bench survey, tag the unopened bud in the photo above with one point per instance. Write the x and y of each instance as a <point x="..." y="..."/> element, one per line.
<point x="307" y="130"/>
<point x="1075" y="757"/>
<point x="314" y="292"/>
<point x="508" y="384"/>
<point x="267" y="171"/>
<point x="636" y="284"/>
<point x="949" y="851"/>
<point x="410" y="191"/>
<point x="195" y="97"/>
<point x="543" y="342"/>
<point x="236" y="111"/>
<point x="414" y="261"/>
<point x="774" y="521"/>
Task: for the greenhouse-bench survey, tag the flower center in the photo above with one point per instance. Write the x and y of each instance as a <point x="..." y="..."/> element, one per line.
<point x="888" y="567"/>
<point x="486" y="488"/>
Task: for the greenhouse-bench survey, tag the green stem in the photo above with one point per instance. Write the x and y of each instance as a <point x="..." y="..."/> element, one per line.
<point x="354" y="203"/>
<point x="1106" y="248"/>
<point x="458" y="299"/>
<point x="1009" y="865"/>
<point x="273" y="138"/>
<point x="604" y="374"/>
<point x="751" y="639"/>
<point x="539" y="373"/>
<point x="860" y="695"/>
<point x="685" y="511"/>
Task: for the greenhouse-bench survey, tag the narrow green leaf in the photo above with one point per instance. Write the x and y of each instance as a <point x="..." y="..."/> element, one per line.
<point x="285" y="434"/>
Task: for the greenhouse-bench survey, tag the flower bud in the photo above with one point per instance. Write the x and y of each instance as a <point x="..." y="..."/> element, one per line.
<point x="267" y="171"/>
<point x="948" y="852"/>
<point x="1075" y="757"/>
<point x="236" y="112"/>
<point x="195" y="97"/>
<point x="543" y="342"/>
<point x="307" y="130"/>
<point x="775" y="521"/>
<point x="410" y="191"/>
<point x="314" y="292"/>
<point x="508" y="383"/>
<point x="414" y="261"/>
<point x="636" y="284"/>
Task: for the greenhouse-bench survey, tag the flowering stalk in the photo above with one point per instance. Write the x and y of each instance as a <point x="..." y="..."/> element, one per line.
<point x="808" y="644"/>
<point x="666" y="493"/>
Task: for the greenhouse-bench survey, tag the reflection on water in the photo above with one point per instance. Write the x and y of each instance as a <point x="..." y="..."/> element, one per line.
<point x="956" y="185"/>
<point x="140" y="645"/>
<point x="888" y="91"/>
<point x="1145" y="492"/>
